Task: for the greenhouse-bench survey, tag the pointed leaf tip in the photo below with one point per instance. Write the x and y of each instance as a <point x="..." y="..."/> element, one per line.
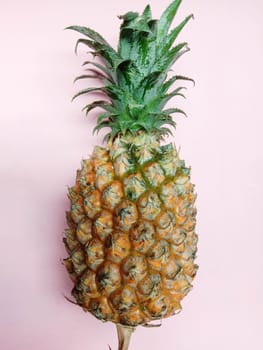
<point x="90" y="33"/>
<point x="166" y="19"/>
<point x="171" y="37"/>
<point x="147" y="13"/>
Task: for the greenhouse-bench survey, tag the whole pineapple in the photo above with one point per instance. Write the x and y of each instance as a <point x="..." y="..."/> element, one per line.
<point x="130" y="237"/>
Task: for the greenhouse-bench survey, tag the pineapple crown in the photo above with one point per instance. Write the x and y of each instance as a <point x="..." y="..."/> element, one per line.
<point x="135" y="83"/>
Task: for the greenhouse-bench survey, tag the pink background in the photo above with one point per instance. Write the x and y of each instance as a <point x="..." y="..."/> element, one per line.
<point x="44" y="137"/>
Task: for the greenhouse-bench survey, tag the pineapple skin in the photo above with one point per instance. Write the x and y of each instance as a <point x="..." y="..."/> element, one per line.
<point x="131" y="231"/>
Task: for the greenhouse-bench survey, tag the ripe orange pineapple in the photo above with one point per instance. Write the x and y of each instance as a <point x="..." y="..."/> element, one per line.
<point x="131" y="228"/>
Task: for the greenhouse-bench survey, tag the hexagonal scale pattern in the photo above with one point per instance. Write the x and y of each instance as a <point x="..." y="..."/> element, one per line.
<point x="130" y="237"/>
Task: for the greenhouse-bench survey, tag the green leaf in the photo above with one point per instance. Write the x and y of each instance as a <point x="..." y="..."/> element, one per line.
<point x="91" y="34"/>
<point x="86" y="91"/>
<point x="166" y="20"/>
<point x="147" y="14"/>
<point x="135" y="109"/>
<point x="181" y="77"/>
<point x="142" y="125"/>
<point x="128" y="74"/>
<point x="101" y="125"/>
<point x="134" y="77"/>
<point x="176" y="92"/>
<point x="174" y="33"/>
<point x="150" y="86"/>
<point x="170" y="111"/>
<point x="140" y="26"/>
<point x="104" y="51"/>
<point x="153" y="78"/>
<point x="137" y="41"/>
<point x="172" y="80"/>
<point x="86" y="42"/>
<point x="114" y="132"/>
<point x="85" y="76"/>
<point x="96" y="104"/>
<point x="103" y="68"/>
<point x="103" y="117"/>
<point x="177" y="50"/>
<point x="99" y="75"/>
<point x="168" y="84"/>
<point x="174" y="110"/>
<point x="167" y="97"/>
<point x="113" y="91"/>
<point x="129" y="16"/>
<point x="164" y="63"/>
<point x="166" y="131"/>
<point x="125" y="44"/>
<point x="111" y="112"/>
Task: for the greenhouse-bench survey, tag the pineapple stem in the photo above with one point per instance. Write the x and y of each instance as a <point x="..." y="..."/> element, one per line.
<point x="124" y="336"/>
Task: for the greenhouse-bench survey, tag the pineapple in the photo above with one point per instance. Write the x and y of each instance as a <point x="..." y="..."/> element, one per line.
<point x="131" y="235"/>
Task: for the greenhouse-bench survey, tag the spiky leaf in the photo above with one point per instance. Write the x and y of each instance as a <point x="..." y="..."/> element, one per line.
<point x="135" y="78"/>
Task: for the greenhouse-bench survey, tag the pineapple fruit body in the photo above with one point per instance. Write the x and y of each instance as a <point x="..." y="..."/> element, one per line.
<point x="131" y="231"/>
<point x="131" y="237"/>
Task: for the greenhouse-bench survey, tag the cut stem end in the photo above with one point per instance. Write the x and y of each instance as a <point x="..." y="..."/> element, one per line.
<point x="124" y="336"/>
